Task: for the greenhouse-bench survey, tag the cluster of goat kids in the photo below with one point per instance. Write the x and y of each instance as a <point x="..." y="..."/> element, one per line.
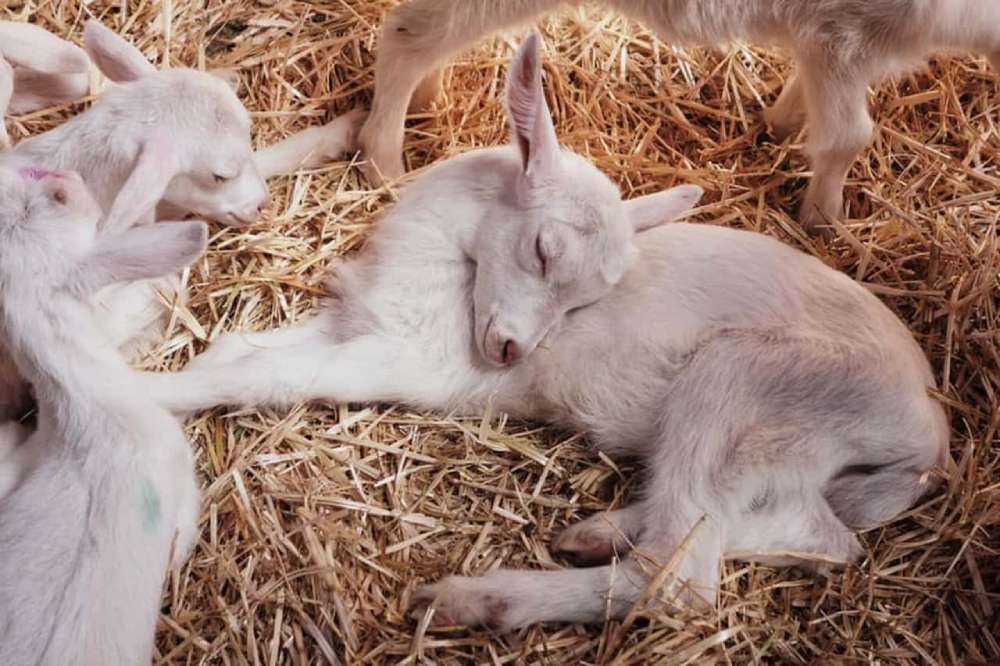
<point x="777" y="403"/>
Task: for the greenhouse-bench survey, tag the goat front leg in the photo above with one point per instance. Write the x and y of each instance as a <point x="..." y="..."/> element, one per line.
<point x="233" y="346"/>
<point x="839" y="128"/>
<point x="306" y="364"/>
<point x="416" y="40"/>
<point x="312" y="147"/>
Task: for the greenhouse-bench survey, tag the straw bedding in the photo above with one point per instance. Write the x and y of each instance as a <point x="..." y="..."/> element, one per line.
<point x="319" y="521"/>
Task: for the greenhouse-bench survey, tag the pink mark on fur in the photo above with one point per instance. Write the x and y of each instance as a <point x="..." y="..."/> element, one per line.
<point x="33" y="173"/>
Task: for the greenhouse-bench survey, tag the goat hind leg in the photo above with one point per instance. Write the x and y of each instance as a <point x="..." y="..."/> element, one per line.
<point x="788" y="113"/>
<point x="796" y="528"/>
<point x="428" y="90"/>
<point x="506" y="599"/>
<point x="679" y="554"/>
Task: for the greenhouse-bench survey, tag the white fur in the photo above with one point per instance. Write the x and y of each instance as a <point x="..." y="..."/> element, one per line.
<point x="777" y="403"/>
<point x="312" y="147"/>
<point x="42" y="69"/>
<point x="841" y="46"/>
<point x="96" y="501"/>
<point x="6" y="92"/>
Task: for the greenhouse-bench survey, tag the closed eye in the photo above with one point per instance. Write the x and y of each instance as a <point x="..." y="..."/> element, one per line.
<point x="540" y="253"/>
<point x="219" y="178"/>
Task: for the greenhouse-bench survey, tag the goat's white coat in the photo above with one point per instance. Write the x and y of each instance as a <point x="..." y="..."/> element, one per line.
<point x="96" y="500"/>
<point x="6" y="92"/>
<point x="840" y="47"/>
<point x="777" y="403"/>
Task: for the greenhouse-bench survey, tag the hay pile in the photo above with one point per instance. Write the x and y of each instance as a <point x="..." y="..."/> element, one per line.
<point x="319" y="521"/>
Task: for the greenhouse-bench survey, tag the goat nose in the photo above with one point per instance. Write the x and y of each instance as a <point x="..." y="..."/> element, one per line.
<point x="510" y="352"/>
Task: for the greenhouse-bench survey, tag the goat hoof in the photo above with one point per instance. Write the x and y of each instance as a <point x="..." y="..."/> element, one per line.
<point x="594" y="541"/>
<point x="381" y="163"/>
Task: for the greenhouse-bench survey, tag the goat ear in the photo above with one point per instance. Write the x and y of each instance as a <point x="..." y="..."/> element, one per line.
<point x="528" y="114"/>
<point x="155" y="166"/>
<point x="140" y="253"/>
<point x="116" y="58"/>
<point x="31" y="47"/>
<point x="653" y="210"/>
<point x="34" y="90"/>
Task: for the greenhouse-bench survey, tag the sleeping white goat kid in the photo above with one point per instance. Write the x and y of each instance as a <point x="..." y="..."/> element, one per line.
<point x="841" y="46"/>
<point x="777" y="404"/>
<point x="177" y="137"/>
<point x="104" y="490"/>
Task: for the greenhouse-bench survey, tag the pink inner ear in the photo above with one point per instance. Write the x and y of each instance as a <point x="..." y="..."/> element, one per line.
<point x="529" y="117"/>
<point x="33" y="173"/>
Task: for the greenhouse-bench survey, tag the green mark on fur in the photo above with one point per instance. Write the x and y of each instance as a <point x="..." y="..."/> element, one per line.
<point x="150" y="506"/>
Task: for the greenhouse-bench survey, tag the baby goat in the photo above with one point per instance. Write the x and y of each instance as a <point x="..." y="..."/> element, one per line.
<point x="777" y="403"/>
<point x="103" y="493"/>
<point x="179" y="138"/>
<point x="841" y="46"/>
<point x="179" y="135"/>
<point x="176" y="135"/>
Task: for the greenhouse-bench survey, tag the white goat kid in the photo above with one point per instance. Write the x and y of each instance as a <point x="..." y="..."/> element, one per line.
<point x="103" y="492"/>
<point x="193" y="121"/>
<point x="767" y="393"/>
<point x="841" y="46"/>
<point x="176" y="135"/>
<point x="179" y="138"/>
<point x="37" y="69"/>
